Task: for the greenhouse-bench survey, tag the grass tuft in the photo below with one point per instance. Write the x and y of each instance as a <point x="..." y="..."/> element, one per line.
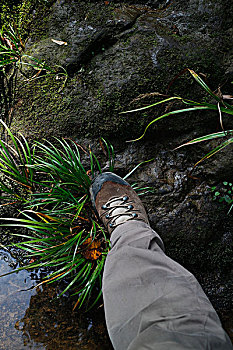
<point x="51" y="183"/>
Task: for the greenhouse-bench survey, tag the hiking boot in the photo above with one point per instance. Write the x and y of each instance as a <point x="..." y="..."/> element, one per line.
<point x="115" y="201"/>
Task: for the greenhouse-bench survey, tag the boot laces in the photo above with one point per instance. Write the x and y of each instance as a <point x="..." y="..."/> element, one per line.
<point x="119" y="210"/>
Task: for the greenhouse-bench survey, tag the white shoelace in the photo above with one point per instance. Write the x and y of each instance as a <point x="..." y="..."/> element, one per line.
<point x="119" y="210"/>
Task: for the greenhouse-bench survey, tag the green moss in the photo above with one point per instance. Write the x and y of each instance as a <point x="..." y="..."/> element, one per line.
<point x="9" y="10"/>
<point x="38" y="108"/>
<point x="26" y="14"/>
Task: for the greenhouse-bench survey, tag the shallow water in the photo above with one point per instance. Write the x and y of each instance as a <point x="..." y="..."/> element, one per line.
<point x="32" y="319"/>
<point x="36" y="319"/>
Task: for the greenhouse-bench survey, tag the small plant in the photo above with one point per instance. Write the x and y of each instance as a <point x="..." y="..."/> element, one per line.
<point x="220" y="106"/>
<point x="12" y="55"/>
<point x="50" y="183"/>
<point x="12" y="60"/>
<point x="224" y="194"/>
<point x="11" y="47"/>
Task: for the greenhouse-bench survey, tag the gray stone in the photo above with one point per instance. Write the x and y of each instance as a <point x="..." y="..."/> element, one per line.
<point x="116" y="52"/>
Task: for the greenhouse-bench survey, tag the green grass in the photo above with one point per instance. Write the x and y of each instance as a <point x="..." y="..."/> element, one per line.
<point x="51" y="184"/>
<point x="12" y="55"/>
<point x="220" y="106"/>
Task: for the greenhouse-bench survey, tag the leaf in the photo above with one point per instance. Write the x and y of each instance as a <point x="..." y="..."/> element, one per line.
<point x="207" y="138"/>
<point x="59" y="42"/>
<point x="227" y="97"/>
<point x="91" y="247"/>
<point x="63" y="235"/>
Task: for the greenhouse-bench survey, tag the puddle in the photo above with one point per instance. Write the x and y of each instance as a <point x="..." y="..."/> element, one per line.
<point x="30" y="320"/>
<point x="34" y="319"/>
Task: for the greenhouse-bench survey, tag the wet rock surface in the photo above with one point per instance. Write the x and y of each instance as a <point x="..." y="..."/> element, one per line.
<point x="115" y="52"/>
<point x="197" y="231"/>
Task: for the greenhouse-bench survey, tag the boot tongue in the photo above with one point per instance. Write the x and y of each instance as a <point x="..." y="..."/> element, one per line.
<point x="120" y="213"/>
<point x="115" y="202"/>
<point x="123" y="215"/>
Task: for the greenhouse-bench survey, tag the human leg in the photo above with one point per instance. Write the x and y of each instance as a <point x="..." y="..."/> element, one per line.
<point x="151" y="302"/>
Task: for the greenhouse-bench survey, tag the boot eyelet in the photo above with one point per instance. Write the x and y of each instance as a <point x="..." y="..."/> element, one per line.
<point x="111" y="225"/>
<point x="104" y="206"/>
<point x="107" y="216"/>
<point x="125" y="198"/>
<point x="130" y="206"/>
<point x="134" y="215"/>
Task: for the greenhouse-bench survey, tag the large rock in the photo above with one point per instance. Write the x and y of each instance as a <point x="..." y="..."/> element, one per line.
<point x="196" y="230"/>
<point x="115" y="52"/>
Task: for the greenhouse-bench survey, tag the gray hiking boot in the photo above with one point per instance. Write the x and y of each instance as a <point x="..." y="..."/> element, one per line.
<point x="115" y="201"/>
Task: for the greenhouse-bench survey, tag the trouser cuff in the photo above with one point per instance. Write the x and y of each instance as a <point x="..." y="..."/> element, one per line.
<point x="136" y="233"/>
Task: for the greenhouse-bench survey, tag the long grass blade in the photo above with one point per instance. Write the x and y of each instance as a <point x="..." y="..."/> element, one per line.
<point x="167" y="115"/>
<point x="152" y="105"/>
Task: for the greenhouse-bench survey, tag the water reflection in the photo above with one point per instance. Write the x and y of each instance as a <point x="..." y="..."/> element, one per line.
<point x="13" y="303"/>
<point x="58" y="327"/>
<point x="34" y="319"/>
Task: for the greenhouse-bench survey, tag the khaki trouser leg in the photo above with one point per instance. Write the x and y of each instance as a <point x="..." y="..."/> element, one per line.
<point x="152" y="302"/>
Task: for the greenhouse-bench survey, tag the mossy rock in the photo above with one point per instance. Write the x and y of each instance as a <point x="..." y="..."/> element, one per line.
<point x="114" y="53"/>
